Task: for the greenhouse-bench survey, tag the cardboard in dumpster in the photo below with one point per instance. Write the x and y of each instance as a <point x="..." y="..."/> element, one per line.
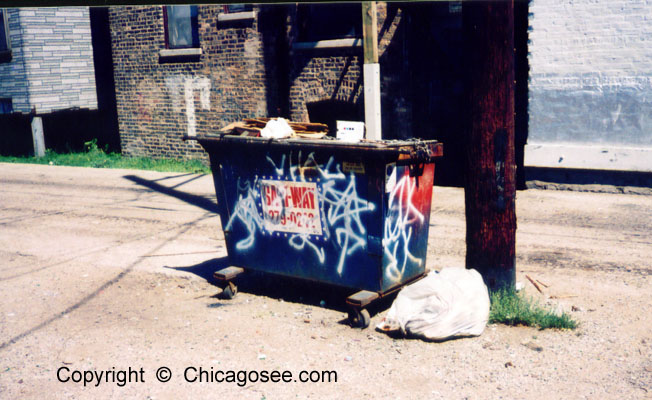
<point x="443" y="305"/>
<point x="276" y="128"/>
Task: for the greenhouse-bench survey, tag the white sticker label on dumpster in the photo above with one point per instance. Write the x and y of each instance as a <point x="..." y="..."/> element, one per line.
<point x="390" y="177"/>
<point x="291" y="207"/>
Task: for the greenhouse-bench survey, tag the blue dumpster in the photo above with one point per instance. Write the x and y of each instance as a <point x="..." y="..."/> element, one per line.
<point x="349" y="214"/>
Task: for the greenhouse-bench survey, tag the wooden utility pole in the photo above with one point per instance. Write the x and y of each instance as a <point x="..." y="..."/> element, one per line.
<point x="490" y="188"/>
<point x="370" y="32"/>
<point x="371" y="71"/>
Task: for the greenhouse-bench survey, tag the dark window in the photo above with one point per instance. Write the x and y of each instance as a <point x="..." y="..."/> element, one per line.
<point x="4" y="31"/>
<point x="181" y="27"/>
<point x="236" y="8"/>
<point x="329" y="21"/>
<point x="6" y="106"/>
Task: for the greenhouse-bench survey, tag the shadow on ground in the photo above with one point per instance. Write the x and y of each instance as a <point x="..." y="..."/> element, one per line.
<point x="265" y="284"/>
<point x="195" y="200"/>
<point x="288" y="289"/>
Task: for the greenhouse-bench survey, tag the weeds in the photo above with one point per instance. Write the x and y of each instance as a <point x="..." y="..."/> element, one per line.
<point x="511" y="308"/>
<point x="95" y="157"/>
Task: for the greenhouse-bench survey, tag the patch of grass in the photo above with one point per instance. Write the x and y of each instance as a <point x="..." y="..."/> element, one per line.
<point x="511" y="308"/>
<point x="94" y="157"/>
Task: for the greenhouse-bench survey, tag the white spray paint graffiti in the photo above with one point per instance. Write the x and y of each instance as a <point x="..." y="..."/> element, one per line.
<point x="189" y="84"/>
<point x="328" y="171"/>
<point x="344" y="217"/>
<point x="341" y="209"/>
<point x="402" y="214"/>
<point x="246" y="212"/>
<point x="298" y="242"/>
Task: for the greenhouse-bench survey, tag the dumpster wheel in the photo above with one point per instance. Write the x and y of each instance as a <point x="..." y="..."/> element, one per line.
<point x="226" y="277"/>
<point x="229" y="291"/>
<point x="359" y="318"/>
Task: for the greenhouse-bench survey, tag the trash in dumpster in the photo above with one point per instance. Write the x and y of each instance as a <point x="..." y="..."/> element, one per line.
<point x="280" y="127"/>
<point x="277" y="129"/>
<point x="451" y="303"/>
<point x="355" y="215"/>
<point x="350" y="131"/>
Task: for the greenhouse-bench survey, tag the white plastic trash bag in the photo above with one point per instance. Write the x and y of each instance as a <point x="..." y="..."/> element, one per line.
<point x="277" y="129"/>
<point x="453" y="302"/>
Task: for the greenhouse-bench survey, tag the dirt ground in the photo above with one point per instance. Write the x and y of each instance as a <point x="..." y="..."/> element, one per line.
<point x="110" y="270"/>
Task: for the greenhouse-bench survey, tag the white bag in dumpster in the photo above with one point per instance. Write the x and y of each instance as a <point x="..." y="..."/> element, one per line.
<point x="453" y="302"/>
<point x="277" y="129"/>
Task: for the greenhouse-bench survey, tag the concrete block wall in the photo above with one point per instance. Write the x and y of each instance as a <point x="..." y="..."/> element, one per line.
<point x="590" y="90"/>
<point x="13" y="77"/>
<point x="159" y="102"/>
<point x="52" y="65"/>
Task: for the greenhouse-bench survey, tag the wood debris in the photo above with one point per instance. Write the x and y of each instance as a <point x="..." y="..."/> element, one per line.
<point x="253" y="126"/>
<point x="563" y="296"/>
<point x="534" y="283"/>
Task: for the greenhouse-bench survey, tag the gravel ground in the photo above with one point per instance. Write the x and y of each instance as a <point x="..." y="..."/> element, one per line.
<point x="107" y="270"/>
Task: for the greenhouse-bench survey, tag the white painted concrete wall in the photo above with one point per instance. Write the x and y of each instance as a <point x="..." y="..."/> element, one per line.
<point x="590" y="90"/>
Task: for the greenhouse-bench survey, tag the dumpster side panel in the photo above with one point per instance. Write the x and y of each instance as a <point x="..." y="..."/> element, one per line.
<point x="406" y="223"/>
<point x="301" y="214"/>
<point x="218" y="181"/>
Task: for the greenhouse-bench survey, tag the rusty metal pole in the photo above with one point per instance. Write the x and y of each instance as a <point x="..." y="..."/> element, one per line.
<point x="490" y="189"/>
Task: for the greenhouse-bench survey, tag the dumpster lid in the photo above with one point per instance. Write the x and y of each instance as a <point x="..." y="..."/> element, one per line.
<point x="433" y="148"/>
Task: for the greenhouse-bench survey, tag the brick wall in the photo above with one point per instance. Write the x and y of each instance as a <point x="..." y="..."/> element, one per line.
<point x="247" y="68"/>
<point x="52" y="60"/>
<point x="333" y="76"/>
<point x="322" y="74"/>
<point x="591" y="72"/>
<point x="160" y="102"/>
<point x="590" y="75"/>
